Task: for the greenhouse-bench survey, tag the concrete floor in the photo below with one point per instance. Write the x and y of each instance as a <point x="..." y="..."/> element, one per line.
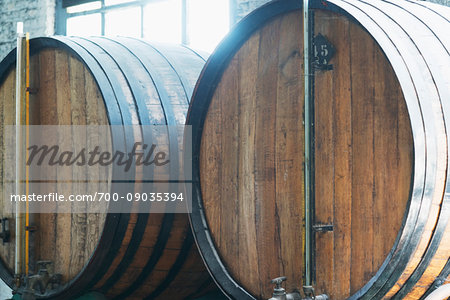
<point x="5" y="291"/>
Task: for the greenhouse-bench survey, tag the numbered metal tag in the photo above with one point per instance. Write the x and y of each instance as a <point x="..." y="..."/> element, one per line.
<point x="323" y="52"/>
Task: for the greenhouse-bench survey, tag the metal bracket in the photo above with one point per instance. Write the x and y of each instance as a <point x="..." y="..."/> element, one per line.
<point x="31" y="228"/>
<point x="323" y="53"/>
<point x="5" y="234"/>
<point x="32" y="91"/>
<point x="323" y="227"/>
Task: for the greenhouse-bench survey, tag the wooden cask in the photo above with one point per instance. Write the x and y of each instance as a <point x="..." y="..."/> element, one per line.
<point x="379" y="149"/>
<point x="99" y="81"/>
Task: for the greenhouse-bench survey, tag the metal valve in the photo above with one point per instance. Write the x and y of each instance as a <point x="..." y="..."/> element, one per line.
<point x="45" y="279"/>
<point x="279" y="293"/>
<point x="278" y="290"/>
<point x="309" y="294"/>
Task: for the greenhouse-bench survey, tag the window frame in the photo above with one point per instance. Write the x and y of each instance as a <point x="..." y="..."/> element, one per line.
<point x="62" y="15"/>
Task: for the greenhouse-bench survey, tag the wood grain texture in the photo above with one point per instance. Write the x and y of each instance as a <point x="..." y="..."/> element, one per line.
<point x="248" y="65"/>
<point x="363" y="162"/>
<point x="48" y="116"/>
<point x="56" y="231"/>
<point x="7" y="95"/>
<point x="95" y="114"/>
<point x="63" y="108"/>
<point x="324" y="158"/>
<point x="69" y="94"/>
<point x="363" y="159"/>
<point x="384" y="97"/>
<point x="78" y="117"/>
<point x="252" y="153"/>
<point x="289" y="145"/>
<point x="342" y="158"/>
<point x="371" y="142"/>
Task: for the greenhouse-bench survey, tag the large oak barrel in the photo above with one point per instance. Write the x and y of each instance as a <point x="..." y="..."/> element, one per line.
<point x="100" y="81"/>
<point x="380" y="124"/>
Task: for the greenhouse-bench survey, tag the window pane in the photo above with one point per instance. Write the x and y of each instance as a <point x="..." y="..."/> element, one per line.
<point x="84" y="7"/>
<point x="162" y="21"/>
<point x="114" y="2"/>
<point x="208" y="22"/>
<point x="124" y="21"/>
<point x="84" y="25"/>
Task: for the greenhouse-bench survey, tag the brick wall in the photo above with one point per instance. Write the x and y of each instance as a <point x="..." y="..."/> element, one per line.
<point x="38" y="17"/>
<point x="443" y="2"/>
<point x="243" y="7"/>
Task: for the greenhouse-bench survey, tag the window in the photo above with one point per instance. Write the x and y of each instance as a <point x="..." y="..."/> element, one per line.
<point x="200" y="24"/>
<point x="84" y="25"/>
<point x="126" y="21"/>
<point x="207" y="23"/>
<point x="162" y="21"/>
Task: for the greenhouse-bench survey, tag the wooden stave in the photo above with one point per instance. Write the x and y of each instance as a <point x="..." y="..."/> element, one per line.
<point x="444" y="276"/>
<point x="141" y="218"/>
<point x="441" y="78"/>
<point x="210" y="77"/>
<point x="439" y="95"/>
<point x="87" y="277"/>
<point x="139" y="228"/>
<point x="168" y="216"/>
<point x="172" y="121"/>
<point x="396" y="257"/>
<point x="113" y="116"/>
